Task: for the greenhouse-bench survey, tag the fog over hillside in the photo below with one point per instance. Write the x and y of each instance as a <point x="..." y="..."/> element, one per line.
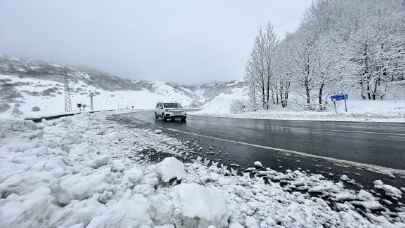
<point x="37" y="87"/>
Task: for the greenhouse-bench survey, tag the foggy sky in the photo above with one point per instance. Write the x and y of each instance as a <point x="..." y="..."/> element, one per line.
<point x="185" y="41"/>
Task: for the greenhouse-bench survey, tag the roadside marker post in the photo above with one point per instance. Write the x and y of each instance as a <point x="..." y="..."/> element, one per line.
<point x="339" y="97"/>
<point x="334" y="104"/>
<point x="91" y="95"/>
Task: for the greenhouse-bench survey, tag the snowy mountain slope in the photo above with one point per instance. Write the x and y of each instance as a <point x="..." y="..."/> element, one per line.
<point x="24" y="94"/>
<point x="37" y="88"/>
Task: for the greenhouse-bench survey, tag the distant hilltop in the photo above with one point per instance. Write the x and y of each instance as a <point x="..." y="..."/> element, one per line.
<point x="34" y="86"/>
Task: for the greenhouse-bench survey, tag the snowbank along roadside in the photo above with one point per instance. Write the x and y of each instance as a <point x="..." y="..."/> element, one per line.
<point x="86" y="171"/>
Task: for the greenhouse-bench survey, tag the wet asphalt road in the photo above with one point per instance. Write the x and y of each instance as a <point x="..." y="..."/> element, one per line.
<point x="282" y="145"/>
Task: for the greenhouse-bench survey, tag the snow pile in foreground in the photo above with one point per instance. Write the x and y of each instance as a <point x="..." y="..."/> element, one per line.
<point x="86" y="171"/>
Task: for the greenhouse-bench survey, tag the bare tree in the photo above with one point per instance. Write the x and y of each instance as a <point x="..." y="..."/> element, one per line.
<point x="340" y="45"/>
<point x="260" y="66"/>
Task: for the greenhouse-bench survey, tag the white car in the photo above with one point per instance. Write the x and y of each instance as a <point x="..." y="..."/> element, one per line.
<point x="170" y="111"/>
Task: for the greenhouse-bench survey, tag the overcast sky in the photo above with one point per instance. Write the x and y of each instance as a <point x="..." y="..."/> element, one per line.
<point x="173" y="40"/>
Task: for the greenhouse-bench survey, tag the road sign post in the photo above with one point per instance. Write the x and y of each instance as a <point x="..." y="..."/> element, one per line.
<point x="345" y="105"/>
<point x="334" y="104"/>
<point x="339" y="97"/>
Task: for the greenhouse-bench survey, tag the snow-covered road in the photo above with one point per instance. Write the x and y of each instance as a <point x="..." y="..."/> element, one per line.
<point x="88" y="171"/>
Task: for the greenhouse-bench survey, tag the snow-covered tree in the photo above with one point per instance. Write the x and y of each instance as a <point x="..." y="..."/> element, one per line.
<point x="284" y="70"/>
<point x="340" y="45"/>
<point x="376" y="46"/>
<point x="261" y="63"/>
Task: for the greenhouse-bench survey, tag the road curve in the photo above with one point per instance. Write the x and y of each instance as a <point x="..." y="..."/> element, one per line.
<point x="320" y="147"/>
<point x="381" y="144"/>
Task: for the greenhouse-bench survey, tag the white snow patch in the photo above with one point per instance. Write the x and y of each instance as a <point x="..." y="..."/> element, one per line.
<point x="388" y="189"/>
<point x="158" y="131"/>
<point x="99" y="161"/>
<point x="222" y="103"/>
<point x="170" y="168"/>
<point x="134" y="175"/>
<point x="359" y="110"/>
<point x="258" y="164"/>
<point x="117" y="166"/>
<point x="130" y="211"/>
<point x="197" y="201"/>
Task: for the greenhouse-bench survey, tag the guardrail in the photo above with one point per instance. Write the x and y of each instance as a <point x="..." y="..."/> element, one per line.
<point x="56" y="116"/>
<point x="40" y="118"/>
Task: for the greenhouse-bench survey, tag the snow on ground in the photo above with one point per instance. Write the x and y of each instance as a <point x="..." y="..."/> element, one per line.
<point x="358" y="110"/>
<point x="222" y="104"/>
<point x="87" y="171"/>
<point x="231" y="105"/>
<point x="48" y="96"/>
<point x="388" y="189"/>
<point x="104" y="100"/>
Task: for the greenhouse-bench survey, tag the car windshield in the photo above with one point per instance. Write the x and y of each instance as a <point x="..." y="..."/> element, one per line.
<point x="172" y="105"/>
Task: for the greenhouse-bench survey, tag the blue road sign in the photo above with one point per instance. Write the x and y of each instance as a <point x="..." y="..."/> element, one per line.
<point x="339" y="97"/>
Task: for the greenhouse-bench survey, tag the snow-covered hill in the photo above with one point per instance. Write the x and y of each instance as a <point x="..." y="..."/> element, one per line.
<point x="37" y="88"/>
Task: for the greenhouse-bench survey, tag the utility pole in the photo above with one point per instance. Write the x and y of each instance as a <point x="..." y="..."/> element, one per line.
<point x="91" y="95"/>
<point x="68" y="100"/>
